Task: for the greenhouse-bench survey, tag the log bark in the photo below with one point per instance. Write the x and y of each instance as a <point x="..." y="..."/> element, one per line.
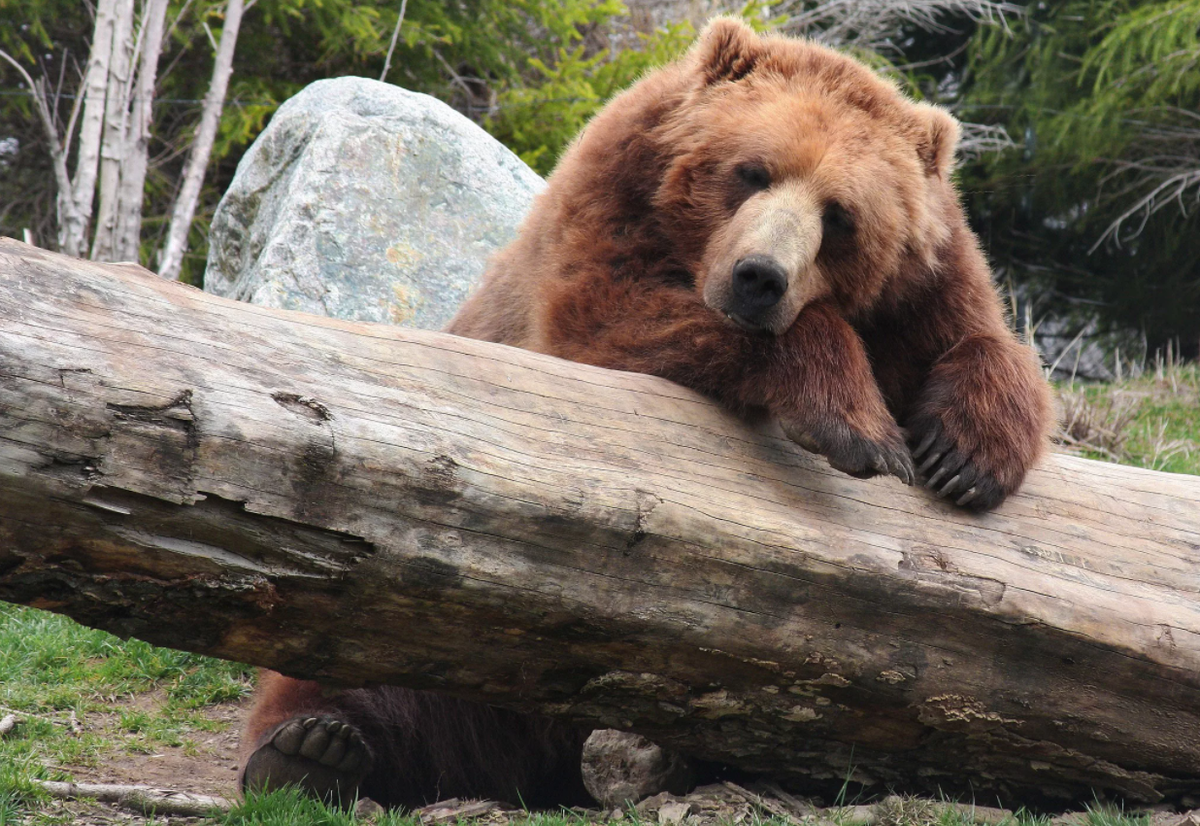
<point x="368" y="504"/>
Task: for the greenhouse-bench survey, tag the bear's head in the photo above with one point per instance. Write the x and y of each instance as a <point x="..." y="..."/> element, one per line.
<point x="794" y="173"/>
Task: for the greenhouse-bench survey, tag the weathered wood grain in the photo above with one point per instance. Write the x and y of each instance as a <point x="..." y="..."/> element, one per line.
<point x="362" y="504"/>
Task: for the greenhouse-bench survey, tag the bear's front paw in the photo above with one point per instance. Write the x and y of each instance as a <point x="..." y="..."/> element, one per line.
<point x="321" y="754"/>
<point x="948" y="472"/>
<point x="851" y="452"/>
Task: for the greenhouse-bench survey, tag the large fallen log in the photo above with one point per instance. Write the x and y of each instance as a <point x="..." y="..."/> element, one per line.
<point x="368" y="504"/>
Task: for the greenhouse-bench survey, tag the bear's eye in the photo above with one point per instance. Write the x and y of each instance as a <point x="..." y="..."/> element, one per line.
<point x="754" y="175"/>
<point x="837" y="220"/>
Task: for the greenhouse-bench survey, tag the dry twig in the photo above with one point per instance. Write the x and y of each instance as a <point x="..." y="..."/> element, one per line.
<point x="145" y="799"/>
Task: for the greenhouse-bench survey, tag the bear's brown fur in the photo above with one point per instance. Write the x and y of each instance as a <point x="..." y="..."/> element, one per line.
<point x="786" y="153"/>
<point x="768" y="222"/>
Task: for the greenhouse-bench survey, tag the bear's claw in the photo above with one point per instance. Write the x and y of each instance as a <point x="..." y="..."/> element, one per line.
<point x="325" y="756"/>
<point x="948" y="473"/>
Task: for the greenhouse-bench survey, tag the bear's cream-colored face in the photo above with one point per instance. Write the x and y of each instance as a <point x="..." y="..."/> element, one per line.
<point x="819" y="209"/>
<point x="801" y="177"/>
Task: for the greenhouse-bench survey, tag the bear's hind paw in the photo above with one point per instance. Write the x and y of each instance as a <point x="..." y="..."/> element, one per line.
<point x="323" y="755"/>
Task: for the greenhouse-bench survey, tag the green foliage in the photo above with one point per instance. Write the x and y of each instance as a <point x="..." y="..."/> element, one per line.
<point x="1102" y="96"/>
<point x="49" y="663"/>
<point x="539" y="117"/>
<point x="475" y="56"/>
<point x="1107" y="814"/>
<point x="286" y="807"/>
<point x="561" y="86"/>
<point x="1085" y="73"/>
<point x="1148" y="57"/>
<point x="539" y="67"/>
<point x="26" y="41"/>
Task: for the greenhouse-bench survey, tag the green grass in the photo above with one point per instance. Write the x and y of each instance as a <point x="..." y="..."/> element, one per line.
<point x="1150" y="421"/>
<point x="50" y="664"/>
<point x="54" y="672"/>
<point x="289" y="808"/>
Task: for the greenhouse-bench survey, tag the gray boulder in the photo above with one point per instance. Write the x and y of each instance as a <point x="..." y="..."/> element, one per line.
<point x="364" y="201"/>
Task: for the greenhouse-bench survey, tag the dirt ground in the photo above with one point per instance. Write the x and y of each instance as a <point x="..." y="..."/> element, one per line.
<point x="206" y="764"/>
<point x="210" y="767"/>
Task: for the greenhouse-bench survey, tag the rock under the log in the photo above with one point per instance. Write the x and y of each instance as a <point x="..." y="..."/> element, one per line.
<point x="620" y="769"/>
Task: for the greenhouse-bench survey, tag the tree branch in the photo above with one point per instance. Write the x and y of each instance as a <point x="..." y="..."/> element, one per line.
<point x="387" y="63"/>
<point x="184" y="209"/>
<point x="367" y="504"/>
<point x="68" y="213"/>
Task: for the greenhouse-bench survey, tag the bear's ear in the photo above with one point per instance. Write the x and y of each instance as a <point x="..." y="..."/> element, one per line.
<point x="937" y="138"/>
<point x="726" y="50"/>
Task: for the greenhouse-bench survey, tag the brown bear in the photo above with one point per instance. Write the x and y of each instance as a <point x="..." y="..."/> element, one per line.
<point x="772" y="224"/>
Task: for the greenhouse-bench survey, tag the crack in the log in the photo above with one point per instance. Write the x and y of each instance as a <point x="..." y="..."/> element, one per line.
<point x="303" y="406"/>
<point x="96" y="502"/>
<point x="68" y="466"/>
<point x="326" y="551"/>
<point x="203" y="550"/>
<point x="176" y="414"/>
<point x="646" y="502"/>
<point x="142" y="566"/>
<point x="235" y="539"/>
<point x="931" y="567"/>
<point x="63" y="372"/>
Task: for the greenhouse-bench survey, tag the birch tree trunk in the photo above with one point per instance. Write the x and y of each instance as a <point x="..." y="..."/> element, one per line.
<point x="73" y="223"/>
<point x="360" y="503"/>
<point x="115" y="110"/>
<point x="184" y="209"/>
<point x="116" y="121"/>
<point x="131" y="194"/>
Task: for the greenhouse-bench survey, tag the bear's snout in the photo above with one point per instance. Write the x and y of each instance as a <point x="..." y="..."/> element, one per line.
<point x="761" y="268"/>
<point x="759" y="282"/>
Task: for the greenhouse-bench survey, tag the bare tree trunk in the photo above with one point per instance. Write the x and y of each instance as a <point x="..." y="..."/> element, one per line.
<point x="361" y="503"/>
<point x="73" y="223"/>
<point x="116" y="119"/>
<point x="110" y="137"/>
<point x="131" y="194"/>
<point x="126" y="145"/>
<point x="193" y="173"/>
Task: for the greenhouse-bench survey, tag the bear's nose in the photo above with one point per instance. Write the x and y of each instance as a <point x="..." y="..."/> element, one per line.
<point x="758" y="284"/>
